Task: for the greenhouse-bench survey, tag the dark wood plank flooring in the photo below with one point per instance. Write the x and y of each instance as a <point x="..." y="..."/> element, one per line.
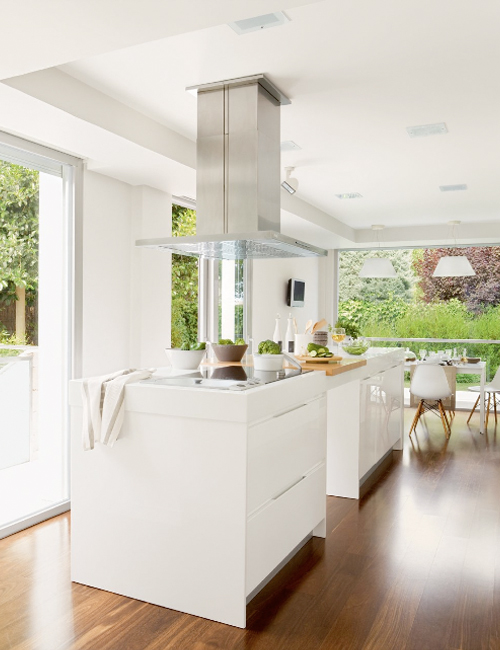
<point x="415" y="565"/>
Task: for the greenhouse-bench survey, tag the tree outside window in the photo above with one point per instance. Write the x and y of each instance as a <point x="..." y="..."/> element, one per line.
<point x="19" y="201"/>
<point x="184" y="282"/>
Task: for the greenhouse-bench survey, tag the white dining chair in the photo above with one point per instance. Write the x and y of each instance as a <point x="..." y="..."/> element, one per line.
<point x="493" y="389"/>
<point x="430" y="385"/>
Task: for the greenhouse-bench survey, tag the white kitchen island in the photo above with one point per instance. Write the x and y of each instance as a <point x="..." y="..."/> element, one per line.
<point x="364" y="422"/>
<point x="204" y="494"/>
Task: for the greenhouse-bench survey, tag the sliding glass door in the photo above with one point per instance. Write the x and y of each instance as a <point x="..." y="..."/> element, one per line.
<point x="36" y="297"/>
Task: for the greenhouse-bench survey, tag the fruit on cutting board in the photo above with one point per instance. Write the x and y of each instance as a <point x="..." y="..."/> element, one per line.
<point x="318" y="351"/>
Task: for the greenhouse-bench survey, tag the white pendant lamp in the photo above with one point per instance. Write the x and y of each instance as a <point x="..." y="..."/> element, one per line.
<point x="453" y="266"/>
<point x="377" y="267"/>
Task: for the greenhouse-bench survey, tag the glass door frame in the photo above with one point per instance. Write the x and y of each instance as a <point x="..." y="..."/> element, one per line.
<point x="29" y="154"/>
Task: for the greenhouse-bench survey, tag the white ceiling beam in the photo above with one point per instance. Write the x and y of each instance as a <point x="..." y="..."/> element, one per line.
<point x="429" y="235"/>
<point x="291" y="203"/>
<point x="66" y="93"/>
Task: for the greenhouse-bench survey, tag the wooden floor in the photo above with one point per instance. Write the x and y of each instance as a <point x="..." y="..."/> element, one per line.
<point x="414" y="565"/>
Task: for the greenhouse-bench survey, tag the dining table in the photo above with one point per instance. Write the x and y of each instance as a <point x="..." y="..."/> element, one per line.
<point x="463" y="368"/>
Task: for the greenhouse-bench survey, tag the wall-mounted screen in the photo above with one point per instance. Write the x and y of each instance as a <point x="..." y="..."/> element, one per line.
<point x="296" y="292"/>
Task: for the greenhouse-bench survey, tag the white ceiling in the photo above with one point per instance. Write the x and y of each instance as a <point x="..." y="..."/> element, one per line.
<point x="358" y="73"/>
<point x="39" y="34"/>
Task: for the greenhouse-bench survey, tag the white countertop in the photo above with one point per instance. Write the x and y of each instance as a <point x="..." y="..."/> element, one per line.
<point x="207" y="403"/>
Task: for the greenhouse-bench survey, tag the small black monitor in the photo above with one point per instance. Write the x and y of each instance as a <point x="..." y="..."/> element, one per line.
<point x="296" y="293"/>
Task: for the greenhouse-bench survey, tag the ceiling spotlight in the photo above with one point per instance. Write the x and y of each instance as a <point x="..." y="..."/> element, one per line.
<point x="423" y="130"/>
<point x="349" y="195"/>
<point x="289" y="145"/>
<point x="290" y="184"/>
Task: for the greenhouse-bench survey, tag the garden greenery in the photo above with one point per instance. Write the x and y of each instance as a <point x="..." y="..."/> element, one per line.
<point x="184" y="282"/>
<point x="416" y="305"/>
<point x="18" y="231"/>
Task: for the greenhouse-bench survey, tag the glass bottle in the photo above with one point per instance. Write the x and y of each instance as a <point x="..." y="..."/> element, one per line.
<point x="277" y="332"/>
<point x="290" y="335"/>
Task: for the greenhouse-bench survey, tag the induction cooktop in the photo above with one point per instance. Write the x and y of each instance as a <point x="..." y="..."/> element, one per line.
<point x="225" y="378"/>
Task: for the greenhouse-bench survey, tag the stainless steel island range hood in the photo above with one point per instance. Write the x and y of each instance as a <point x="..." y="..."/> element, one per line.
<point x="238" y="176"/>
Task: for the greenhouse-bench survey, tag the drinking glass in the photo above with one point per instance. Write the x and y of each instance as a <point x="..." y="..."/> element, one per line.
<point x="338" y="335"/>
<point x="422" y="354"/>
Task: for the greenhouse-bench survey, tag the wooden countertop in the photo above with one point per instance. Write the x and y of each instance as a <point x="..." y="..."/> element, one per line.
<point x="335" y="367"/>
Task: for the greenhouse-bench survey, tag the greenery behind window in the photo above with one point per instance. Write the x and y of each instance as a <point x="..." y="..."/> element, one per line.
<point x="19" y="200"/>
<point x="184" y="282"/>
<point x="417" y="305"/>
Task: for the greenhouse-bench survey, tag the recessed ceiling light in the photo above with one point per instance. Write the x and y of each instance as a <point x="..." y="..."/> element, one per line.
<point x="290" y="145"/>
<point x="426" y="129"/>
<point x="453" y="188"/>
<point x="248" y="25"/>
<point x="349" y="195"/>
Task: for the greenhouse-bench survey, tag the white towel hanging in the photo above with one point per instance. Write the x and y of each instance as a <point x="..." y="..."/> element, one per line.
<point x="113" y="408"/>
<point x="93" y="390"/>
<point x="103" y="405"/>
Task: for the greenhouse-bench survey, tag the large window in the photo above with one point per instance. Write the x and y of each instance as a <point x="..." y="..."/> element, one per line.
<point x="184" y="282"/>
<point x="231" y="299"/>
<point x="221" y="308"/>
<point x="416" y="305"/>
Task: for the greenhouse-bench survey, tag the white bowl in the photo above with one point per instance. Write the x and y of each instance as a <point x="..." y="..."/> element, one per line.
<point x="185" y="359"/>
<point x="267" y="361"/>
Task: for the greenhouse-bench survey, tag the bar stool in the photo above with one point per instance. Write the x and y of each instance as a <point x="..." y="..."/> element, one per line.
<point x="430" y="385"/>
<point x="493" y="388"/>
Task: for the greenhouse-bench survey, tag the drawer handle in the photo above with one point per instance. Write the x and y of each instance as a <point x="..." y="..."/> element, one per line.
<point x="288" y="488"/>
<point x="295" y="408"/>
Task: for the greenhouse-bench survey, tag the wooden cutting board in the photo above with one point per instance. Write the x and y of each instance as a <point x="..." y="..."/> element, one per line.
<point x="337" y="368"/>
<point x="304" y="359"/>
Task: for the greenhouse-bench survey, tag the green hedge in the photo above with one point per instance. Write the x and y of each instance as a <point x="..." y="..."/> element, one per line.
<point x="450" y="319"/>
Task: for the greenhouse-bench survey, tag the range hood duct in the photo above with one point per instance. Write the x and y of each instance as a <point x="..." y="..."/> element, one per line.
<point x="238" y="176"/>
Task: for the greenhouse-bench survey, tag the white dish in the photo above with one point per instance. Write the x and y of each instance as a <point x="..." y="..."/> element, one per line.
<point x="268" y="361"/>
<point x="185" y="359"/>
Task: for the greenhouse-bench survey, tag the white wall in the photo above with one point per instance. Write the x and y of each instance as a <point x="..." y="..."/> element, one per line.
<point x="151" y="297"/>
<point x="126" y="293"/>
<point x="270" y="280"/>
<point x="106" y="274"/>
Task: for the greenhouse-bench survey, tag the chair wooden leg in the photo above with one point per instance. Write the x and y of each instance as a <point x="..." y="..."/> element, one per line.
<point x="444" y="419"/>
<point x="474" y="408"/>
<point x="488" y="406"/>
<point x="448" y="420"/>
<point x="495" y="405"/>
<point x="416" y="418"/>
<point x="440" y="407"/>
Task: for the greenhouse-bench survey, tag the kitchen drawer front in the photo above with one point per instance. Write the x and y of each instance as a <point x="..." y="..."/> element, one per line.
<point x="276" y="529"/>
<point x="283" y="449"/>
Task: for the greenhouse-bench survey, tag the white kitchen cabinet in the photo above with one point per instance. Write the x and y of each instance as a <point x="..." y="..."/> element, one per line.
<point x="285" y="485"/>
<point x="364" y="423"/>
<point x="203" y="495"/>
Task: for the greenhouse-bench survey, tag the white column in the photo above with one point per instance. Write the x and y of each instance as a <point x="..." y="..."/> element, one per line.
<point x="52" y="339"/>
<point x="329" y="273"/>
<point x="151" y="279"/>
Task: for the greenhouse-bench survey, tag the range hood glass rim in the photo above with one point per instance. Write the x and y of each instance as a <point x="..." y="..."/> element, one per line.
<point x="276" y="244"/>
